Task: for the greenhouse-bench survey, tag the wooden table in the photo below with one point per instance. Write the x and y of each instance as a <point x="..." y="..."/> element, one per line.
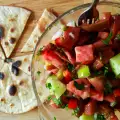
<point x="37" y="7"/>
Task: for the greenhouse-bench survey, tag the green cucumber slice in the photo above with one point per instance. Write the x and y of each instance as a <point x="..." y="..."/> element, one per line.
<point x="115" y="65"/>
<point x="56" y="86"/>
<point x="86" y="117"/>
<point x="83" y="71"/>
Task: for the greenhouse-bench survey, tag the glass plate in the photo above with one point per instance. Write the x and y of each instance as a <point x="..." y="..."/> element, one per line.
<point x="45" y="111"/>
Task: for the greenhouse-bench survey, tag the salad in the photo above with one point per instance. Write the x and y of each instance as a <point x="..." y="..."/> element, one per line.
<point x="84" y="68"/>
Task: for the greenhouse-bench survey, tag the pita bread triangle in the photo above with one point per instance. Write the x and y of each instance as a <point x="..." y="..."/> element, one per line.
<point x="1" y="54"/>
<point x="1" y="63"/>
<point x="25" y="64"/>
<point x="16" y="92"/>
<point x="46" y="19"/>
<point x="12" y="24"/>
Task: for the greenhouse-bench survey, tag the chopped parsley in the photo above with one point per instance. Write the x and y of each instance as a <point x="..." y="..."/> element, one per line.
<point x="118" y="36"/>
<point x="99" y="117"/>
<point x="75" y="111"/>
<point x="38" y="72"/>
<point x="57" y="101"/>
<point x="107" y="40"/>
<point x="70" y="67"/>
<point x="48" y="85"/>
<point x="49" y="98"/>
<point x="79" y="86"/>
<point x="107" y="73"/>
<point x="97" y="73"/>
<point x="63" y="27"/>
<point x="55" y="118"/>
<point x="108" y="89"/>
<point x="113" y="104"/>
<point x="40" y="50"/>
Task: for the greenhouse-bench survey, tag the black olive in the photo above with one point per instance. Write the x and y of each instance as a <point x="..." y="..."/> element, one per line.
<point x="17" y="63"/>
<point x="15" y="70"/>
<point x="1" y="76"/>
<point x="12" y="40"/>
<point x="12" y="90"/>
<point x="1" y="32"/>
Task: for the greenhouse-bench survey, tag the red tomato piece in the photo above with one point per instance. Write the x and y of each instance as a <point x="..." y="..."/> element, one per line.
<point x="84" y="37"/>
<point x="108" y="16"/>
<point x="115" y="83"/>
<point x="69" y="56"/>
<point x="98" y="44"/>
<point x="84" y="54"/>
<point x="107" y="53"/>
<point x="115" y="26"/>
<point x="90" y="108"/>
<point x="72" y="104"/>
<point x="63" y="57"/>
<point x="54" y="71"/>
<point x="110" y="98"/>
<point x="67" y="76"/>
<point x="97" y="64"/>
<point x="53" y="58"/>
<point x="116" y="93"/>
<point x="97" y="82"/>
<point x="50" y="67"/>
<point x="85" y="93"/>
<point x="70" y="37"/>
<point x="96" y="95"/>
<point x="103" y="35"/>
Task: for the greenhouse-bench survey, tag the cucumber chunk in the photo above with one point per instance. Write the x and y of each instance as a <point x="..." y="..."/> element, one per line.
<point x="55" y="86"/>
<point x="86" y="117"/>
<point x="83" y="72"/>
<point x="115" y="65"/>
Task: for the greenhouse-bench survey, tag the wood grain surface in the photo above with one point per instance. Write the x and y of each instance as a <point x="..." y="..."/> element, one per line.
<point x="37" y="7"/>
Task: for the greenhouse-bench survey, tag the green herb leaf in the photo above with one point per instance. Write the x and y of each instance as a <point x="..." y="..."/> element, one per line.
<point x="112" y="104"/>
<point x="57" y="101"/>
<point x="75" y="111"/>
<point x="97" y="73"/>
<point x="48" y="85"/>
<point x="108" y="89"/>
<point x="55" y="118"/>
<point x="40" y="50"/>
<point x="107" y="40"/>
<point x="79" y="86"/>
<point x="99" y="117"/>
<point x="38" y="72"/>
<point x="63" y="27"/>
<point x="70" y="67"/>
<point x="49" y="98"/>
<point x="118" y="36"/>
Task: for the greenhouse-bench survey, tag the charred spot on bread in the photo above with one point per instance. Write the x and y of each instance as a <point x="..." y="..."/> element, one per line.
<point x="6" y="43"/>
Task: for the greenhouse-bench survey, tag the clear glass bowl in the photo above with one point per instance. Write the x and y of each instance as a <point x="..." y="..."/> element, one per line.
<point x="45" y="111"/>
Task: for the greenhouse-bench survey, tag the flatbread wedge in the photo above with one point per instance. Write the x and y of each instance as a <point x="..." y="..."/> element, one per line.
<point x="1" y="54"/>
<point x="1" y="63"/>
<point x="25" y="63"/>
<point x="16" y="92"/>
<point x="46" y="18"/>
<point x="12" y="24"/>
